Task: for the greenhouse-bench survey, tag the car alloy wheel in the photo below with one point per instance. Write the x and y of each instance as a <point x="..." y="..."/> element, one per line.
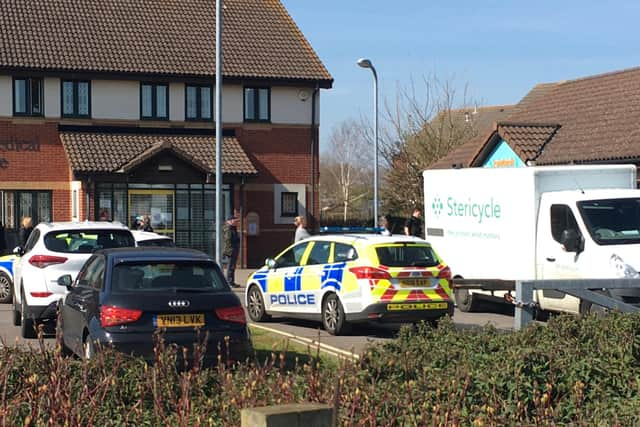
<point x="256" y="309"/>
<point x="333" y="317"/>
<point x="27" y="326"/>
<point x="88" y="348"/>
<point x="6" y="288"/>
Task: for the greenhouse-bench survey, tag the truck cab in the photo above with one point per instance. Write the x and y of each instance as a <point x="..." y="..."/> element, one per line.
<point x="587" y="234"/>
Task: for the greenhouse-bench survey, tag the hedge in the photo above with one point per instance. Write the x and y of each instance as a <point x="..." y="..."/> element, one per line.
<point x="571" y="371"/>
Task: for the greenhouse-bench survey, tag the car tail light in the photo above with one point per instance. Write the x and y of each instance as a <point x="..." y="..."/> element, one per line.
<point x="370" y="273"/>
<point x="114" y="316"/>
<point x="42" y="261"/>
<point x="41" y="294"/>
<point x="232" y="314"/>
<point x="445" y="273"/>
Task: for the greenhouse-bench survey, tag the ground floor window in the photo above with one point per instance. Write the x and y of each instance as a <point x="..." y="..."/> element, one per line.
<point x="15" y="205"/>
<point x="184" y="212"/>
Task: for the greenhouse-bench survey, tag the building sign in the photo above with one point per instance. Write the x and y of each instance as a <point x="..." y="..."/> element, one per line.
<point x="503" y="156"/>
<point x="18" y="147"/>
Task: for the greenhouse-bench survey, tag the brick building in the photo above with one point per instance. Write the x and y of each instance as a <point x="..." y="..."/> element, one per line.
<point x="106" y="109"/>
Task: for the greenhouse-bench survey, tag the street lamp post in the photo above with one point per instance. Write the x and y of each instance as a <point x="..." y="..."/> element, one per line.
<point x="366" y="63"/>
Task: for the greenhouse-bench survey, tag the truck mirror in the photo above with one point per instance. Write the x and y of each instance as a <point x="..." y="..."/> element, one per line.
<point x="571" y="240"/>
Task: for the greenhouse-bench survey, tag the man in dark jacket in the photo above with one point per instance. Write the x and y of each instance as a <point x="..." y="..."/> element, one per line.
<point x="413" y="226"/>
<point x="231" y="248"/>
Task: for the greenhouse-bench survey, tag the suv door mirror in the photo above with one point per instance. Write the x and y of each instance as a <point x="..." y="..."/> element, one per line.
<point x="65" y="281"/>
<point x="572" y="241"/>
<point x="18" y="251"/>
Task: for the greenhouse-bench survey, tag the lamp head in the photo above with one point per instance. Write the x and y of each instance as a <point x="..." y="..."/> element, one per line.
<point x="365" y="63"/>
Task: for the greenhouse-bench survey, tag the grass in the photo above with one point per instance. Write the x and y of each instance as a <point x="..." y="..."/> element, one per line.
<point x="266" y="343"/>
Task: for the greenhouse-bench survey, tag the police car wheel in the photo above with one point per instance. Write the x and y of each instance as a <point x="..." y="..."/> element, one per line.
<point x="255" y="305"/>
<point x="333" y="317"/>
<point x="6" y="288"/>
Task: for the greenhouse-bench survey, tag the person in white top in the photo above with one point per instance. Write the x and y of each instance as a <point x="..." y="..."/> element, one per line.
<point x="384" y="225"/>
<point x="301" y="231"/>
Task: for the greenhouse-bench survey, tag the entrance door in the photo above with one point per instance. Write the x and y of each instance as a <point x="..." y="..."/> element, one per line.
<point x="158" y="205"/>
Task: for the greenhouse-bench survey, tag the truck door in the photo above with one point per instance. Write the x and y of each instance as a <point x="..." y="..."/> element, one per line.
<point x="555" y="261"/>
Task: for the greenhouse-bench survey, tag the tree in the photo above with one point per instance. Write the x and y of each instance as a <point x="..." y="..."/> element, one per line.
<point x="418" y="130"/>
<point x="345" y="168"/>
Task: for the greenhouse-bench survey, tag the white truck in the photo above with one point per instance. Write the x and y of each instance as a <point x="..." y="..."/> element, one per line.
<point x="534" y="223"/>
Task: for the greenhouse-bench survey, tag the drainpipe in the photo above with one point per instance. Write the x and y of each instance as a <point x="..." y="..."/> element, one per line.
<point x="243" y="255"/>
<point x="313" y="152"/>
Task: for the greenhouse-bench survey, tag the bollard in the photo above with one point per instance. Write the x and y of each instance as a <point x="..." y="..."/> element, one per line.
<point x="291" y="415"/>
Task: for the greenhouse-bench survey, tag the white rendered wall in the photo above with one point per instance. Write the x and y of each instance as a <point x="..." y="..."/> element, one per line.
<point x="52" y="98"/>
<point x="6" y="97"/>
<point x="115" y="99"/>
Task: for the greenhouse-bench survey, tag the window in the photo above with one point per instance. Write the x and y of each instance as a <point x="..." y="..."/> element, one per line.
<point x="76" y="98"/>
<point x="198" y="102"/>
<point x="27" y="97"/>
<point x="343" y="252"/>
<point x="292" y="257"/>
<point x="154" y="101"/>
<point x="257" y="103"/>
<point x="289" y="203"/>
<point x="319" y="253"/>
<point x="562" y="219"/>
<point x="93" y="273"/>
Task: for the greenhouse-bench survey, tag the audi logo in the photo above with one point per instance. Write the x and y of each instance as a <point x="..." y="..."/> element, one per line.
<point x="180" y="303"/>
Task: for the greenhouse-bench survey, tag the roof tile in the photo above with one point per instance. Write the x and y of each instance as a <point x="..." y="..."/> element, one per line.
<point x="260" y="40"/>
<point x="105" y="152"/>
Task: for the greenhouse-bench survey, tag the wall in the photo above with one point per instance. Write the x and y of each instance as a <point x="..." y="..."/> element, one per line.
<point x="115" y="99"/>
<point x="6" y="87"/>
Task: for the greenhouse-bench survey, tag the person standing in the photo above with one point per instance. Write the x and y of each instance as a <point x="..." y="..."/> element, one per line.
<point x="301" y="231"/>
<point x="231" y="248"/>
<point x="146" y="224"/>
<point x="383" y="224"/>
<point x="413" y="225"/>
<point x="26" y="227"/>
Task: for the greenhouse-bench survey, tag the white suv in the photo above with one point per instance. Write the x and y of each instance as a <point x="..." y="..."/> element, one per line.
<point x="53" y="250"/>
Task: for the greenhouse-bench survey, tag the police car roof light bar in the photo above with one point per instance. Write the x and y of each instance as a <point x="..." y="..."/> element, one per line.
<point x="339" y="230"/>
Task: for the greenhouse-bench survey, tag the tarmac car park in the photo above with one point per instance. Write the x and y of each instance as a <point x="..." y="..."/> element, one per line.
<point x="342" y="279"/>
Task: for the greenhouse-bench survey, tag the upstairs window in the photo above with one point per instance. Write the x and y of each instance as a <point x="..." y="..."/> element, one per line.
<point x="198" y="102"/>
<point x="75" y="98"/>
<point x="154" y="101"/>
<point x="257" y="104"/>
<point x="289" y="203"/>
<point x="27" y="97"/>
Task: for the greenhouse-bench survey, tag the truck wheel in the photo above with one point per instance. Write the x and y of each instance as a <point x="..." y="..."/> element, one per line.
<point x="465" y="300"/>
<point x="587" y="307"/>
<point x="333" y="317"/>
<point x="255" y="305"/>
<point x="6" y="288"/>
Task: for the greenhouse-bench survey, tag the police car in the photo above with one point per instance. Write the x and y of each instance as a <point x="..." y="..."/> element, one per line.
<point x="348" y="278"/>
<point x="6" y="278"/>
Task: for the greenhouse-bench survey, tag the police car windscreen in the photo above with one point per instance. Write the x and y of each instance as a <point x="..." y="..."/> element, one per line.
<point x="167" y="276"/>
<point x="406" y="255"/>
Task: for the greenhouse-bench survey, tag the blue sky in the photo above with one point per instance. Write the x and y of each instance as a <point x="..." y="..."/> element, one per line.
<point x="500" y="49"/>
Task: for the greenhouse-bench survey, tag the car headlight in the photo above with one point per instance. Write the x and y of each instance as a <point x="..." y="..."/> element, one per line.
<point x="622" y="269"/>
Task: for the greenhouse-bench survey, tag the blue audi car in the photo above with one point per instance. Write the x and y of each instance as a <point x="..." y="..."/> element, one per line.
<point x="122" y="297"/>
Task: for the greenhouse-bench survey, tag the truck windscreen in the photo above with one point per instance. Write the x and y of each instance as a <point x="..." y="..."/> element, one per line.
<point x="612" y="221"/>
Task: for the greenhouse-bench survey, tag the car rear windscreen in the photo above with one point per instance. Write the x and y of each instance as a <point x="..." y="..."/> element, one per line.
<point x="406" y="255"/>
<point x="167" y="243"/>
<point x="177" y="276"/>
<point x="87" y="241"/>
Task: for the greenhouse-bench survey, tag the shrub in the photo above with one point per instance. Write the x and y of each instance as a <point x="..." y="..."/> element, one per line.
<point x="569" y="372"/>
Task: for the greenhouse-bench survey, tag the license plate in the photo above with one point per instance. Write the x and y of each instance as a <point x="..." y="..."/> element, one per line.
<point x="415" y="283"/>
<point x="179" y="320"/>
<point x="417" y="306"/>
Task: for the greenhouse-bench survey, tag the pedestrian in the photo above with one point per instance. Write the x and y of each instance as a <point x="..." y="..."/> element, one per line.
<point x="26" y="227"/>
<point x="383" y="224"/>
<point x="3" y="241"/>
<point x="231" y="249"/>
<point x="146" y="224"/>
<point x="413" y="225"/>
<point x="301" y="231"/>
<point x="104" y="215"/>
